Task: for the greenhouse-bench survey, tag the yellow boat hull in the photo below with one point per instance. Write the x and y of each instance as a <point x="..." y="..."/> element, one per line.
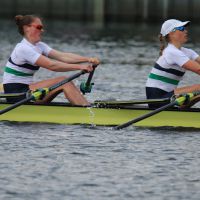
<point x="67" y="114"/>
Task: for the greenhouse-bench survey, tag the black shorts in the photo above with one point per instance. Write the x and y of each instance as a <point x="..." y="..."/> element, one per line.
<point x="15" y="88"/>
<point x="156" y="93"/>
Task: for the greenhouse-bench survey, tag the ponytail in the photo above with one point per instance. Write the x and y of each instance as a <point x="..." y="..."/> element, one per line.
<point x="162" y="44"/>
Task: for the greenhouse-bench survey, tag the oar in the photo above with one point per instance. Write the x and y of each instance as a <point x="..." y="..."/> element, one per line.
<point x="11" y="95"/>
<point x="177" y="101"/>
<point x="86" y="87"/>
<point x="130" y="102"/>
<point x="40" y="93"/>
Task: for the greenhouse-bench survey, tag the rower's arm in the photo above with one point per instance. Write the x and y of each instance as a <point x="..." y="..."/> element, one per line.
<point x="71" y="57"/>
<point x="59" y="66"/>
<point x="193" y="66"/>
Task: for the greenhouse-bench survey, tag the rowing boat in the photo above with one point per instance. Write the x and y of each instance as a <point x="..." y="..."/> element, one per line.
<point x="115" y="113"/>
<point x="104" y="114"/>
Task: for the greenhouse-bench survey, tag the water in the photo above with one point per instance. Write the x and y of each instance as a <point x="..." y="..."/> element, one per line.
<point x="48" y="161"/>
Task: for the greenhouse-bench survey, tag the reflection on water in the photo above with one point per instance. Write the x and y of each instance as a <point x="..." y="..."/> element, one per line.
<point x="48" y="161"/>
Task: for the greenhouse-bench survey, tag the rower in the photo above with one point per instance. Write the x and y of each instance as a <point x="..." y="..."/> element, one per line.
<point x="31" y="54"/>
<point x="172" y="64"/>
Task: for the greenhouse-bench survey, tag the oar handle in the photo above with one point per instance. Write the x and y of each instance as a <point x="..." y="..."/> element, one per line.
<point x="86" y="87"/>
<point x="90" y="76"/>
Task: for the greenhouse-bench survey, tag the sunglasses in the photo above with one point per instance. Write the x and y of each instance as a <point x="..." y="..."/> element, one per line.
<point x="38" y="26"/>
<point x="181" y="28"/>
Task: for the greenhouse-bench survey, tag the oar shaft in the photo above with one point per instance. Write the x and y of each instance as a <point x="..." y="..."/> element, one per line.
<point x="131" y="102"/>
<point x="16" y="105"/>
<point x="11" y="95"/>
<point x="145" y="116"/>
<point x="67" y="80"/>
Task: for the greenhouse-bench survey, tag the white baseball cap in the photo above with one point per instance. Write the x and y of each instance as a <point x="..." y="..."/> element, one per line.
<point x="169" y="25"/>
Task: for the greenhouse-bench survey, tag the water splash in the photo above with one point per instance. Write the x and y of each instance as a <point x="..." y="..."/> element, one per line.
<point x="92" y="115"/>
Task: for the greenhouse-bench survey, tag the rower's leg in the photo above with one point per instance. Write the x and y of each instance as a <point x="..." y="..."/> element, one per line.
<point x="71" y="92"/>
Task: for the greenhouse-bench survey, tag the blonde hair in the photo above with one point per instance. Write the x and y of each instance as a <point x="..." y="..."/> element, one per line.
<point x="22" y="20"/>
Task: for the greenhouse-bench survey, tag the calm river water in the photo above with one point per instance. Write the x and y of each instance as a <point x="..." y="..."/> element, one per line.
<point x="48" y="161"/>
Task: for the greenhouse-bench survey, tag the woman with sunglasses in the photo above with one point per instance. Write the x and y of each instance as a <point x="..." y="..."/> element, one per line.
<point x="31" y="54"/>
<point x="172" y="64"/>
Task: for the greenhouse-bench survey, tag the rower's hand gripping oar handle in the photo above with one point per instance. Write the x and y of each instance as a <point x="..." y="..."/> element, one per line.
<point x="86" y="87"/>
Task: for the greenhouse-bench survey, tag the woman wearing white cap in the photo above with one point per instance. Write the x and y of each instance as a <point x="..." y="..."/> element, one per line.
<point x="174" y="60"/>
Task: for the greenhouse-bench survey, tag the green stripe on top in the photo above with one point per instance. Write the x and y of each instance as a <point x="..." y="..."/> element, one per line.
<point x="163" y="79"/>
<point x="15" y="72"/>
